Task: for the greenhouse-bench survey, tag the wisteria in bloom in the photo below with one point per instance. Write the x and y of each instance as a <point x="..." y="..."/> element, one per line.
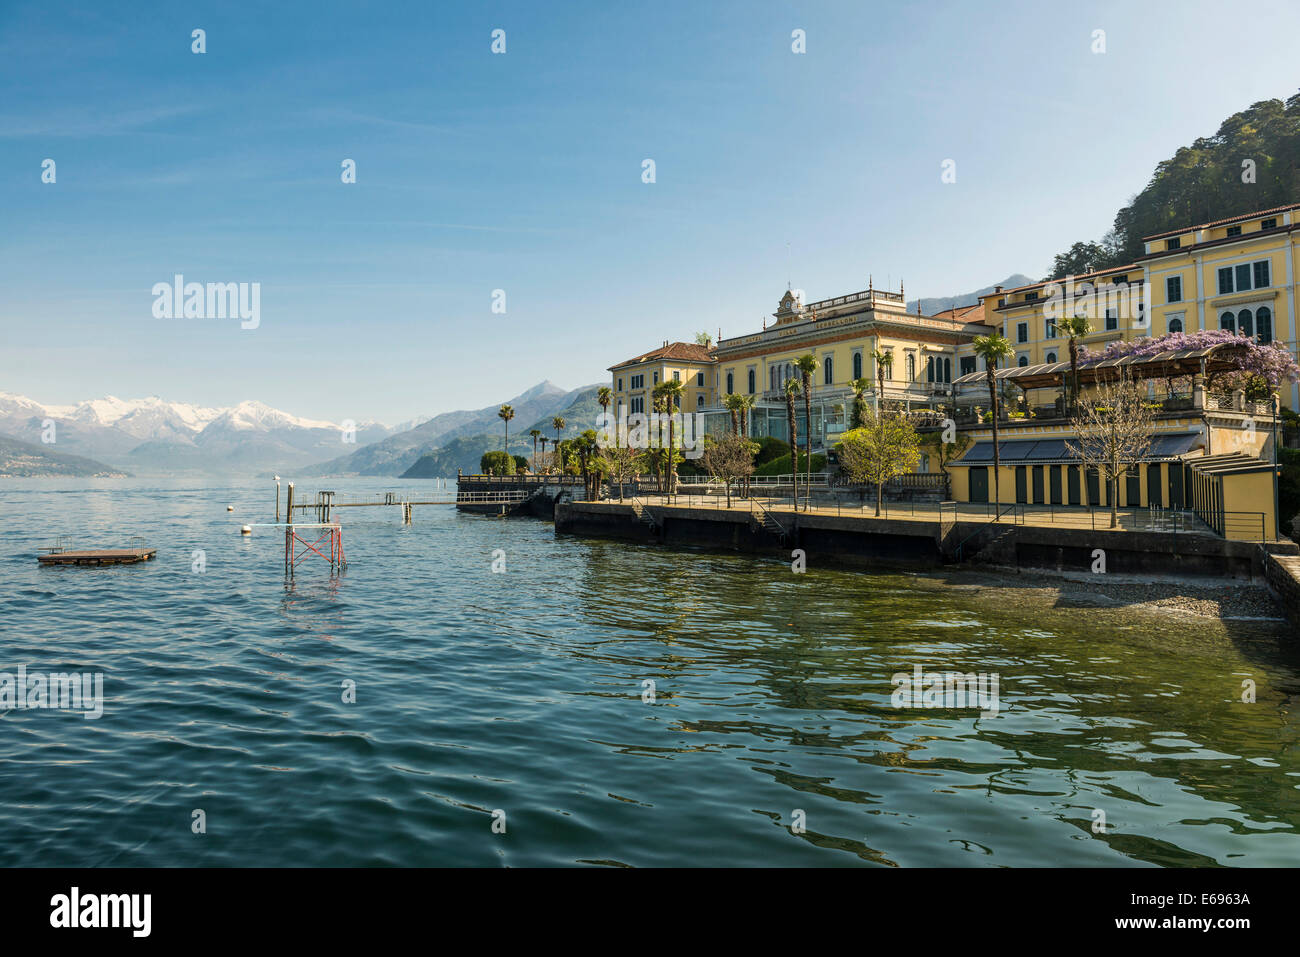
<point x="1271" y="362"/>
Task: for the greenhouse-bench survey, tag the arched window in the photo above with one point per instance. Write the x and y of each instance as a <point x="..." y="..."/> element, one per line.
<point x="929" y="369"/>
<point x="1226" y="321"/>
<point x="1246" y="323"/>
<point x="1023" y="361"/>
<point x="1264" y="324"/>
<point x="857" y="365"/>
<point x="731" y="381"/>
<point x="699" y="401"/>
<point x="1175" y="325"/>
<point x="947" y="370"/>
<point x="753" y="376"/>
<point x="911" y="367"/>
<point x="1051" y="357"/>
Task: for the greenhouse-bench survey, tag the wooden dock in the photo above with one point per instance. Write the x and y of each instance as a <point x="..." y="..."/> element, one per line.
<point x="97" y="556"/>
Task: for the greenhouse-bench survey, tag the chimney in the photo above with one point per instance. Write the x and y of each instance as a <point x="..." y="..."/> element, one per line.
<point x="996" y="290"/>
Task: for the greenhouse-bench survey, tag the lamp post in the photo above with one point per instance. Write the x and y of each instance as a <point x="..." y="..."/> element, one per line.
<point x="1277" y="516"/>
<point x="277" y="499"/>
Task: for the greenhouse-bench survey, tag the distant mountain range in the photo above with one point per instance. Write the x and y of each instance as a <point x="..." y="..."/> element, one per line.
<point x="462" y="437"/>
<point x="153" y="435"/>
<point x="28" y="460"/>
<point x="941" y="303"/>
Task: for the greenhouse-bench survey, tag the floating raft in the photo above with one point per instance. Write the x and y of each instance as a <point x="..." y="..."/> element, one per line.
<point x="101" y="556"/>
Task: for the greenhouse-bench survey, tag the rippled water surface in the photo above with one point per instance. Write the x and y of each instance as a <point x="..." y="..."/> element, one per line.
<point x="522" y="692"/>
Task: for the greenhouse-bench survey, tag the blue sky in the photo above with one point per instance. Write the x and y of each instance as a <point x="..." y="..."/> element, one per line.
<point x="522" y="172"/>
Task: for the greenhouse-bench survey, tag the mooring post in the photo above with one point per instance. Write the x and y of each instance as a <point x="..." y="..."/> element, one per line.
<point x="277" y="499"/>
<point x="288" y="529"/>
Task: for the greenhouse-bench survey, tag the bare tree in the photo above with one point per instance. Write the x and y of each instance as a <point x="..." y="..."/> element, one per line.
<point x="729" y="459"/>
<point x="1115" y="427"/>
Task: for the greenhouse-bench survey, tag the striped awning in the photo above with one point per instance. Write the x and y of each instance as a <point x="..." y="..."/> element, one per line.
<point x="1177" y="362"/>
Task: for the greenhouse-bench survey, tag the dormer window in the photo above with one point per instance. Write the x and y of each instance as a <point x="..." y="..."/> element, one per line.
<point x="1270" y="223"/>
<point x="1173" y="243"/>
<point x="1234" y="231"/>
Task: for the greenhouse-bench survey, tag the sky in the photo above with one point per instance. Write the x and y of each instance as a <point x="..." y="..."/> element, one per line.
<point x="523" y="172"/>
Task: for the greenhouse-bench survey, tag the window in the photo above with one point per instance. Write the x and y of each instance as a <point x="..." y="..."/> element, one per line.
<point x="1270" y="223"/>
<point x="1226" y="321"/>
<point x="1030" y="296"/>
<point x="1112" y="319"/>
<point x="620" y="386"/>
<point x="1119" y="280"/>
<point x="1049" y="330"/>
<point x="911" y="367"/>
<point x="828" y="370"/>
<point x="1234" y="231"/>
<point x="656" y="378"/>
<point x="699" y="401"/>
<point x="947" y="370"/>
<point x="637" y="404"/>
<point x="1023" y="360"/>
<point x="699" y="379"/>
<point x="677" y="376"/>
<point x="966" y="365"/>
<point x="751" y="381"/>
<point x="1246" y="323"/>
<point x="731" y="382"/>
<point x="1173" y="243"/>
<point x="1175" y="325"/>
<point x="1022" y="332"/>
<point x="638" y="381"/>
<point x="857" y="365"/>
<point x="1264" y="324"/>
<point x="929" y="369"/>
<point x="1239" y="278"/>
<point x="1051" y="357"/>
<point x="1174" y="289"/>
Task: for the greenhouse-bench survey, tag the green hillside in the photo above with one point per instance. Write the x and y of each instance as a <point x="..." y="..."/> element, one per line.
<point x="1204" y="182"/>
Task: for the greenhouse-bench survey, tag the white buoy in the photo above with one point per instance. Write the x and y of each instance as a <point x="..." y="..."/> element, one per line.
<point x="230" y="508"/>
<point x="246" y="530"/>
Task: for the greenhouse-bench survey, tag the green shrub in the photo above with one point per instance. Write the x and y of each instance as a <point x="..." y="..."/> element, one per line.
<point x="497" y="463"/>
<point x="521" y="463"/>
<point x="781" y="466"/>
<point x="1288" y="487"/>
<point x="770" y="448"/>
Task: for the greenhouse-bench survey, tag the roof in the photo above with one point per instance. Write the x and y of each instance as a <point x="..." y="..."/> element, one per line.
<point x="1043" y="375"/>
<point x="680" y="351"/>
<point x="1220" y="222"/>
<point x="1229" y="463"/>
<point x="962" y="314"/>
<point x="1047" y="282"/>
<point x="1016" y="451"/>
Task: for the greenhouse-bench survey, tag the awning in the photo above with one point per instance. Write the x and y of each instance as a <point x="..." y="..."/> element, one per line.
<point x="1172" y="364"/>
<point x="1023" y="451"/>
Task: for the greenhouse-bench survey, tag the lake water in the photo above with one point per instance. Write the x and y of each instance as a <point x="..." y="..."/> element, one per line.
<point x="522" y="692"/>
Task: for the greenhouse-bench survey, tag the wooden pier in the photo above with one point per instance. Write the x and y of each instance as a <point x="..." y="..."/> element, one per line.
<point x="97" y="556"/>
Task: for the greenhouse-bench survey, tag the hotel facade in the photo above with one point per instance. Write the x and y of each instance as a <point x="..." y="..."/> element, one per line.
<point x="1237" y="274"/>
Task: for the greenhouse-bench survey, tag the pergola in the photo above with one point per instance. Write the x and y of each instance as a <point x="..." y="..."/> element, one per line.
<point x="1163" y="365"/>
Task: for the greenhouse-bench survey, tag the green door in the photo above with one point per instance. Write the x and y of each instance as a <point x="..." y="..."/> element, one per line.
<point x="1038" y="485"/>
<point x="1054" y="483"/>
<point x="1153" y="484"/>
<point x="1072" y="476"/>
<point x="1022" y="484"/>
<point x="979" y="483"/>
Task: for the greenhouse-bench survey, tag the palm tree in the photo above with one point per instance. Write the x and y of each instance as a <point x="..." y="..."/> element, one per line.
<point x="746" y="403"/>
<point x="859" y="387"/>
<point x="993" y="349"/>
<point x="792" y="388"/>
<point x="505" y="414"/>
<point x="884" y="362"/>
<point x="558" y="424"/>
<point x="1076" y="327"/>
<point x="604" y="396"/>
<point x="535" y="434"/>
<point x="657" y="406"/>
<point x="671" y="391"/>
<point x="807" y="364"/>
<point x="544" y="440"/>
<point x="732" y="404"/>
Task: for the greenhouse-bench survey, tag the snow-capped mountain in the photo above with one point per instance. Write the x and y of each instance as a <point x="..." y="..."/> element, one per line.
<point x="153" y="433"/>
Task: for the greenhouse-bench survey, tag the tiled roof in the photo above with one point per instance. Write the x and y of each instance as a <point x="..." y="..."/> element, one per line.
<point x="679" y="351"/>
<point x="962" y="314"/>
<point x="1220" y="222"/>
<point x="1047" y="282"/>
